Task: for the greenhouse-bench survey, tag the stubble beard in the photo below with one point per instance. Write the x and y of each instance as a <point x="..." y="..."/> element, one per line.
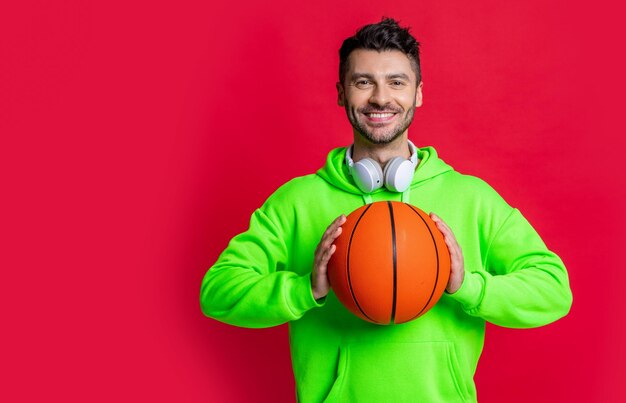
<point x="386" y="137"/>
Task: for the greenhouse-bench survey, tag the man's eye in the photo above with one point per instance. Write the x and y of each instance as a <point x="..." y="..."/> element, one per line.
<point x="363" y="83"/>
<point x="397" y="83"/>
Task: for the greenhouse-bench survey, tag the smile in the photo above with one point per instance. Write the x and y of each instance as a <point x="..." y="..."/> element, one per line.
<point x="380" y="116"/>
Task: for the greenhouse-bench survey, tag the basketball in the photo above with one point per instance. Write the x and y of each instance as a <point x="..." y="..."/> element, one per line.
<point x="391" y="264"/>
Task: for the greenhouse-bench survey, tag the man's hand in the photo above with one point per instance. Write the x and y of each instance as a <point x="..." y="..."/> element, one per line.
<point x="323" y="252"/>
<point x="457" y="268"/>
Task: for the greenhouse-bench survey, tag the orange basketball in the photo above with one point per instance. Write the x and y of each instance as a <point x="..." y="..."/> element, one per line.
<point x="391" y="264"/>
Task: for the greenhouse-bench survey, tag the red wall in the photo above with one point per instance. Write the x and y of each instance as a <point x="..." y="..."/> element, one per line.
<point x="137" y="138"/>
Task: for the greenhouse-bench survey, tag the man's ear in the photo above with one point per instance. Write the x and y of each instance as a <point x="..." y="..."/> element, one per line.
<point x="418" y="95"/>
<point x="340" y="95"/>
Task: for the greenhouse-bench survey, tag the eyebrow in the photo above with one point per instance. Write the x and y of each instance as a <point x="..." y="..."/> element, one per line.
<point x="391" y="76"/>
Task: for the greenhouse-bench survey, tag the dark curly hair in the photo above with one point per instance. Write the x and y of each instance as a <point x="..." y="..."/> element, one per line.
<point x="385" y="35"/>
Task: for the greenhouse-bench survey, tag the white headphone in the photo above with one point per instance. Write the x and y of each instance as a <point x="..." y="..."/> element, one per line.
<point x="396" y="176"/>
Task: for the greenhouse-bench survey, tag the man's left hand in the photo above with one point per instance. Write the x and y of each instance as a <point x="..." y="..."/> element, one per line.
<point x="457" y="268"/>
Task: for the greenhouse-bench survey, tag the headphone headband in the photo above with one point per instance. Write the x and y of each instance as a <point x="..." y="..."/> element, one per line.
<point x="369" y="176"/>
<point x="412" y="148"/>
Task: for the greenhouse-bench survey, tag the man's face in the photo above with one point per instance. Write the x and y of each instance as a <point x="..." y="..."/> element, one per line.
<point x="380" y="94"/>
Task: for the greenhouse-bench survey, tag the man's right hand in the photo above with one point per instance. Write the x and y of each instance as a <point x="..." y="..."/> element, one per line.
<point x="325" y="249"/>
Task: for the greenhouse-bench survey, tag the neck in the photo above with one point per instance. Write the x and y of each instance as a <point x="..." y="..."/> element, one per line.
<point x="381" y="153"/>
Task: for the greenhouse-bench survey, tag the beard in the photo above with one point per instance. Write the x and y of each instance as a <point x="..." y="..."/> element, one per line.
<point x="380" y="135"/>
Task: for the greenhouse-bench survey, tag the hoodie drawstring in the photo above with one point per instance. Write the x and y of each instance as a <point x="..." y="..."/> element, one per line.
<point x="367" y="198"/>
<point x="406" y="195"/>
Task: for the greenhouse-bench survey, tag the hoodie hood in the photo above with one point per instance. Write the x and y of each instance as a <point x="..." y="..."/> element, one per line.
<point x="336" y="172"/>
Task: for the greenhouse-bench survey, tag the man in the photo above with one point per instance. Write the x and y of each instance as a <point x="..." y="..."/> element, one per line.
<point x="275" y="272"/>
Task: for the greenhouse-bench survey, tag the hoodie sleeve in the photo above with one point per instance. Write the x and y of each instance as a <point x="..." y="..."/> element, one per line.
<point x="249" y="287"/>
<point x="524" y="285"/>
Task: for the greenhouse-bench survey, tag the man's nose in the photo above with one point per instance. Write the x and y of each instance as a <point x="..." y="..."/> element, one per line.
<point x="380" y="96"/>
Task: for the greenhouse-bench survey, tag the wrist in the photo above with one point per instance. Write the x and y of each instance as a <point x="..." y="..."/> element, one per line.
<point x="318" y="294"/>
<point x="316" y="290"/>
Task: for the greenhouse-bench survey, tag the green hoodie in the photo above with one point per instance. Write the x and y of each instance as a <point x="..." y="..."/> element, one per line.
<point x="262" y="279"/>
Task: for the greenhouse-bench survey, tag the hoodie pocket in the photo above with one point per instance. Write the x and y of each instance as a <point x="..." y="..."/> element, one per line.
<point x="399" y="372"/>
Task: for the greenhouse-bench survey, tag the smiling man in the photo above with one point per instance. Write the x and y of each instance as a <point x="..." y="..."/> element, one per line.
<point x="275" y="272"/>
<point x="380" y="95"/>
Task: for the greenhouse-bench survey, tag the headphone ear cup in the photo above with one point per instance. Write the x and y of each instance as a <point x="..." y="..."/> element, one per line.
<point x="398" y="174"/>
<point x="368" y="175"/>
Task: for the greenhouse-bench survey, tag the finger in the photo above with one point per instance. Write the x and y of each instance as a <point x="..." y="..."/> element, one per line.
<point x="443" y="227"/>
<point x="339" y="221"/>
<point x="322" y="265"/>
<point x="336" y="234"/>
<point x="445" y="230"/>
<point x="327" y="255"/>
<point x="448" y="235"/>
<point x="327" y="243"/>
<point x="449" y="239"/>
<point x="327" y="233"/>
<point x="439" y="221"/>
<point x="435" y="217"/>
<point x="331" y="234"/>
<point x="328" y="240"/>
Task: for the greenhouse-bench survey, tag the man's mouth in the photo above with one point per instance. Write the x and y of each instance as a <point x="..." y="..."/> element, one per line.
<point x="380" y="116"/>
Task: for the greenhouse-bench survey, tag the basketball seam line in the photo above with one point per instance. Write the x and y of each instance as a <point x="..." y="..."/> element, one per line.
<point x="437" y="256"/>
<point x="395" y="262"/>
<point x="348" y="264"/>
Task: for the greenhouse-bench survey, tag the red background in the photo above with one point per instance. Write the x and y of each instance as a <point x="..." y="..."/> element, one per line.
<point x="137" y="138"/>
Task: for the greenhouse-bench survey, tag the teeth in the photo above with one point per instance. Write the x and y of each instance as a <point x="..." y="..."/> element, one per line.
<point x="380" y="115"/>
